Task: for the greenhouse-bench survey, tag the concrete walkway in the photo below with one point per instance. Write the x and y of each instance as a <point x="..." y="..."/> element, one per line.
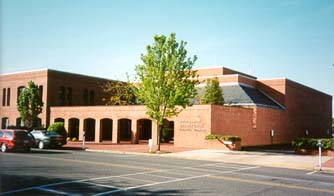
<point x="282" y="159"/>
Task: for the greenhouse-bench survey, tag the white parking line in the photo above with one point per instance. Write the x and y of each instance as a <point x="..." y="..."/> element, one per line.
<point x="181" y="173"/>
<point x="310" y="173"/>
<point x="136" y="179"/>
<point x="54" y="191"/>
<point x="159" y="176"/>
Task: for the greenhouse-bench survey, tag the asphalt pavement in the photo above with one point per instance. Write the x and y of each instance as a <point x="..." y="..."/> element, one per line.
<point x="76" y="172"/>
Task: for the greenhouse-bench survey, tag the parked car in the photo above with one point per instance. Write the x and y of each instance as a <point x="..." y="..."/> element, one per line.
<point x="45" y="139"/>
<point x="12" y="139"/>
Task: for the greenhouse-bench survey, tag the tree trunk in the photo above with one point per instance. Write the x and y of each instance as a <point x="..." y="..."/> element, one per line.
<point x="158" y="135"/>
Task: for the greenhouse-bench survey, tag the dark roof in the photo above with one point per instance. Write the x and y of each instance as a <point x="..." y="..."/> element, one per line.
<point x="241" y="95"/>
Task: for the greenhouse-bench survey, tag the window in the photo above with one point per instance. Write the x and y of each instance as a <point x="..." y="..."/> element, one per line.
<point x="4" y="97"/>
<point x="19" y="90"/>
<point x="8" y="96"/>
<point x="9" y="134"/>
<point x="91" y="97"/>
<point x="85" y="97"/>
<point x="40" y="92"/>
<point x="1" y="134"/>
<point x="61" y="96"/>
<point x="69" y="96"/>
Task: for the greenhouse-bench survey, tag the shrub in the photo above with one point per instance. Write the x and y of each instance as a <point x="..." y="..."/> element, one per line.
<point x="225" y="138"/>
<point x="231" y="138"/>
<point x="312" y="143"/>
<point x="74" y="139"/>
<point x="68" y="139"/>
<point x="58" y="127"/>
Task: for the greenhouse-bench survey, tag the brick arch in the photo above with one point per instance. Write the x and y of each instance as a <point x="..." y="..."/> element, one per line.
<point x="144" y="129"/>
<point x="73" y="128"/>
<point x="89" y="128"/>
<point x="124" y="128"/>
<point x="106" y="128"/>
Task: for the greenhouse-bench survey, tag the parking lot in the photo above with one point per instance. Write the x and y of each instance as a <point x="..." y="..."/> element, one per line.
<point x="65" y="172"/>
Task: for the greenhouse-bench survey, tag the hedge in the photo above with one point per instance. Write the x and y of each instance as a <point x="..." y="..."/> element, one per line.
<point x="312" y="143"/>
<point x="225" y="138"/>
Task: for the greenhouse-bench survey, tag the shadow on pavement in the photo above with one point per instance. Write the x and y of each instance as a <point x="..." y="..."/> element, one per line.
<point x="40" y="185"/>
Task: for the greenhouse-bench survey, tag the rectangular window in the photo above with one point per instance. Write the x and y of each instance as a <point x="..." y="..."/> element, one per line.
<point x="8" y="96"/>
<point x="40" y="91"/>
<point x="4" y="97"/>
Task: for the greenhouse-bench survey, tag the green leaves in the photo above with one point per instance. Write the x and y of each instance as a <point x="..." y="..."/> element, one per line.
<point x="213" y="93"/>
<point x="30" y="105"/>
<point x="166" y="79"/>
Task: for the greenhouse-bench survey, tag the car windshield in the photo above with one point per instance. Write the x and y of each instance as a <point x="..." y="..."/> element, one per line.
<point x="21" y="134"/>
<point x="51" y="133"/>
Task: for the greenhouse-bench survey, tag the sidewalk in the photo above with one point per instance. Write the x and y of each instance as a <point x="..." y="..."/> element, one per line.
<point x="270" y="159"/>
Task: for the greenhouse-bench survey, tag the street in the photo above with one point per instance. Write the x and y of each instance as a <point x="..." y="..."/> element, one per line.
<point x="75" y="172"/>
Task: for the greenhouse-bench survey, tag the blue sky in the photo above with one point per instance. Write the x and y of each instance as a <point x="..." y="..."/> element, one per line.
<point x="269" y="38"/>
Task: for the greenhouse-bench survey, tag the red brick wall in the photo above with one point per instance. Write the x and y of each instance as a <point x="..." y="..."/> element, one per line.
<point x="192" y="125"/>
<point x="308" y="109"/>
<point x="78" y="83"/>
<point x="274" y="88"/>
<point x="13" y="81"/>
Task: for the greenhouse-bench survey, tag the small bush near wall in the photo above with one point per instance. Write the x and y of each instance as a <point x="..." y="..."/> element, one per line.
<point x="58" y="127"/>
<point x="225" y="138"/>
<point x="312" y="143"/>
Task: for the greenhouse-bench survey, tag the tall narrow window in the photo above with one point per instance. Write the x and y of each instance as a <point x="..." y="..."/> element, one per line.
<point x="85" y="97"/>
<point x="69" y="96"/>
<point x="4" y="97"/>
<point x="91" y="97"/>
<point x="8" y="96"/>
<point x="40" y="92"/>
<point x="61" y="96"/>
<point x="19" y="90"/>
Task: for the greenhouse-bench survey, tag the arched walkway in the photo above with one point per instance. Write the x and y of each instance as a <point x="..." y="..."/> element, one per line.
<point x="167" y="134"/>
<point x="124" y="127"/>
<point x="144" y="129"/>
<point x="59" y="120"/>
<point x="106" y="129"/>
<point x="73" y="128"/>
<point x="89" y="127"/>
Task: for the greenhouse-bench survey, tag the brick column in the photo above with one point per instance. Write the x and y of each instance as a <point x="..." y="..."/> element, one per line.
<point x="115" y="131"/>
<point x="154" y="136"/>
<point x="66" y="124"/>
<point x="97" y="131"/>
<point x="81" y="128"/>
<point x="134" y="132"/>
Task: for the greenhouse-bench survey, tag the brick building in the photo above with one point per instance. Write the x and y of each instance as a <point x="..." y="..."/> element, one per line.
<point x="261" y="112"/>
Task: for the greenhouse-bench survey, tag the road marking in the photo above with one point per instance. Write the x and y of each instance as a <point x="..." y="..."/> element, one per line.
<point x="159" y="176"/>
<point x="88" y="162"/>
<point x="54" y="191"/>
<point x="151" y="184"/>
<point x="310" y="173"/>
<point x="285" y="178"/>
<point x="136" y="179"/>
<point x="124" y="175"/>
<point x="273" y="184"/>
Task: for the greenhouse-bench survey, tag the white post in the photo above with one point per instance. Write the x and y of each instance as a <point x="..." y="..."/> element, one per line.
<point x="83" y="140"/>
<point x="319" y="145"/>
<point x="150" y="145"/>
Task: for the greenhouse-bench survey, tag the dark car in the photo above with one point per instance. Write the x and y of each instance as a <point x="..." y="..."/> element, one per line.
<point x="12" y="139"/>
<point x="44" y="139"/>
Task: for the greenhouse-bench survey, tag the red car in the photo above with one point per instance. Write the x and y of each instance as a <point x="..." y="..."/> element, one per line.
<point x="12" y="139"/>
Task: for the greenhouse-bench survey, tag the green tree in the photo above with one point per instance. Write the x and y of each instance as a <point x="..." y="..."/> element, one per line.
<point x="166" y="81"/>
<point x="30" y="105"/>
<point x="59" y="128"/>
<point x="213" y="93"/>
<point x="121" y="93"/>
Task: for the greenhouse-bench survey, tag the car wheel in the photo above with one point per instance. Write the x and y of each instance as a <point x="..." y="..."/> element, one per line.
<point x="3" y="147"/>
<point x="40" y="145"/>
